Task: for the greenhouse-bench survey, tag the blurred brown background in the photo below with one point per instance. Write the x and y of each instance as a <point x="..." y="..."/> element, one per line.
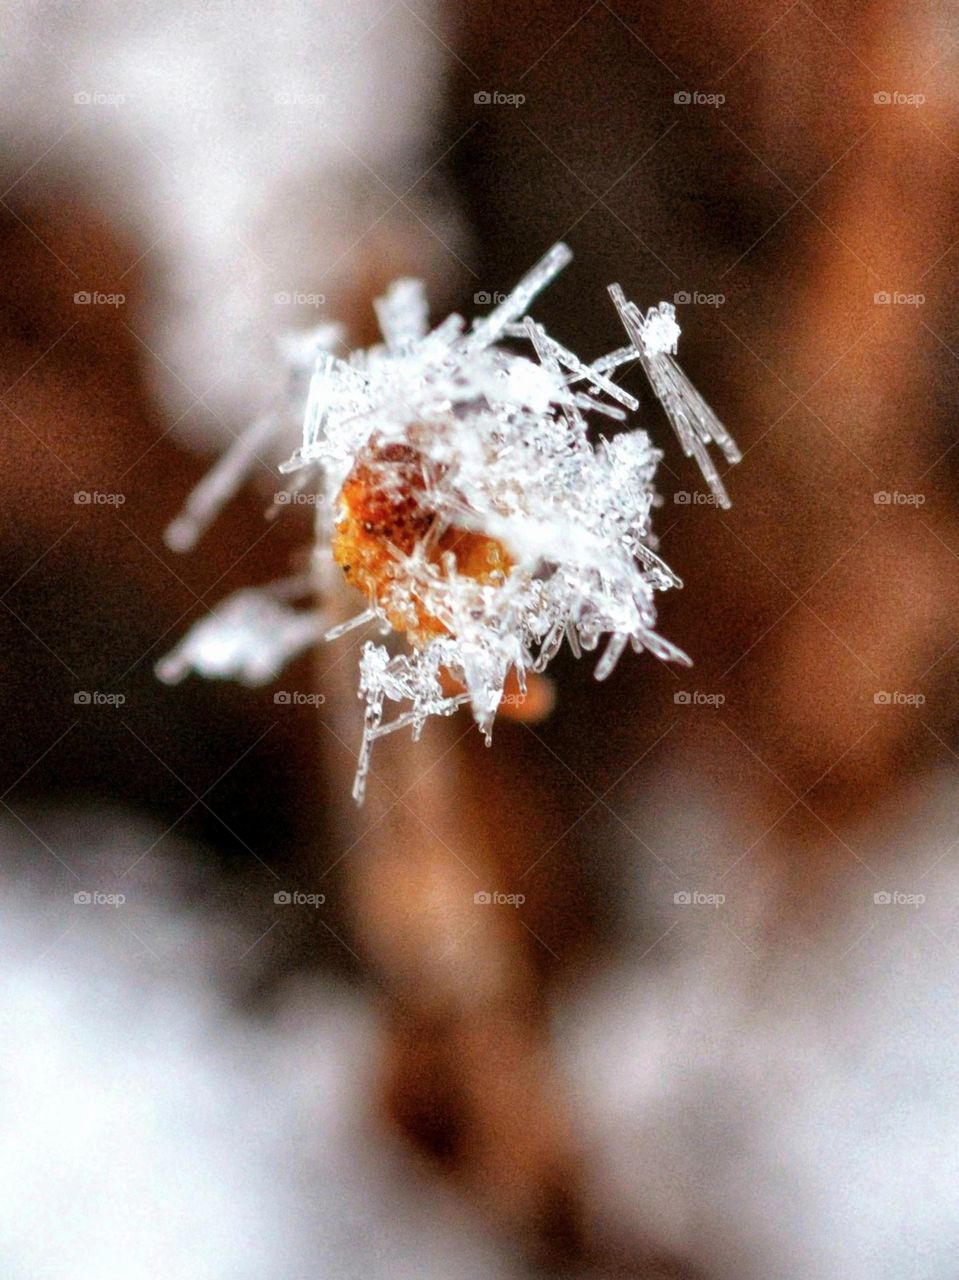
<point x="788" y="173"/>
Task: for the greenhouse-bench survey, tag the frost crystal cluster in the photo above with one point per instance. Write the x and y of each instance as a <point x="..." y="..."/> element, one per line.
<point x="457" y="485"/>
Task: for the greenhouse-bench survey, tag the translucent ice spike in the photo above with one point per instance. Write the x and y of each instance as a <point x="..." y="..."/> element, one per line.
<point x="593" y="375"/>
<point x="249" y="637"/>
<point x="220" y="484"/>
<point x="490" y="329"/>
<point x="654" y="337"/>
<point x="403" y="314"/>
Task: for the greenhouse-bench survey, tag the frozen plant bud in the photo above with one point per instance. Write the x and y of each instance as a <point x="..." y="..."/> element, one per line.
<point x="461" y="494"/>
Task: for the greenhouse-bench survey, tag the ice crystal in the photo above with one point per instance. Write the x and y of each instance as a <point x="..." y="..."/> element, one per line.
<point x="249" y="637"/>
<point x="469" y="436"/>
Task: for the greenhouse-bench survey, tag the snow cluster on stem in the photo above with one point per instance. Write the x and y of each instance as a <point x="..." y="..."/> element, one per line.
<point x="482" y="433"/>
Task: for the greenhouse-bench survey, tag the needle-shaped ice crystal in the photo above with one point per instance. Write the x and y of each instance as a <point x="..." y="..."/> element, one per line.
<point x="461" y="489"/>
<point x="249" y="637"/>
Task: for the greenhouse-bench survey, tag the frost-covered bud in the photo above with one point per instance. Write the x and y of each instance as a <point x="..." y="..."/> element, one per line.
<point x="470" y="507"/>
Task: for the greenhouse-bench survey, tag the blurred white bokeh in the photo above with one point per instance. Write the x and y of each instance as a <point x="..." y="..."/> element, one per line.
<point x="771" y="1082"/>
<point x="152" y="1127"/>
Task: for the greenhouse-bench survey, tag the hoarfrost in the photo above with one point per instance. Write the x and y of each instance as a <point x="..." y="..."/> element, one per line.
<point x="502" y="439"/>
